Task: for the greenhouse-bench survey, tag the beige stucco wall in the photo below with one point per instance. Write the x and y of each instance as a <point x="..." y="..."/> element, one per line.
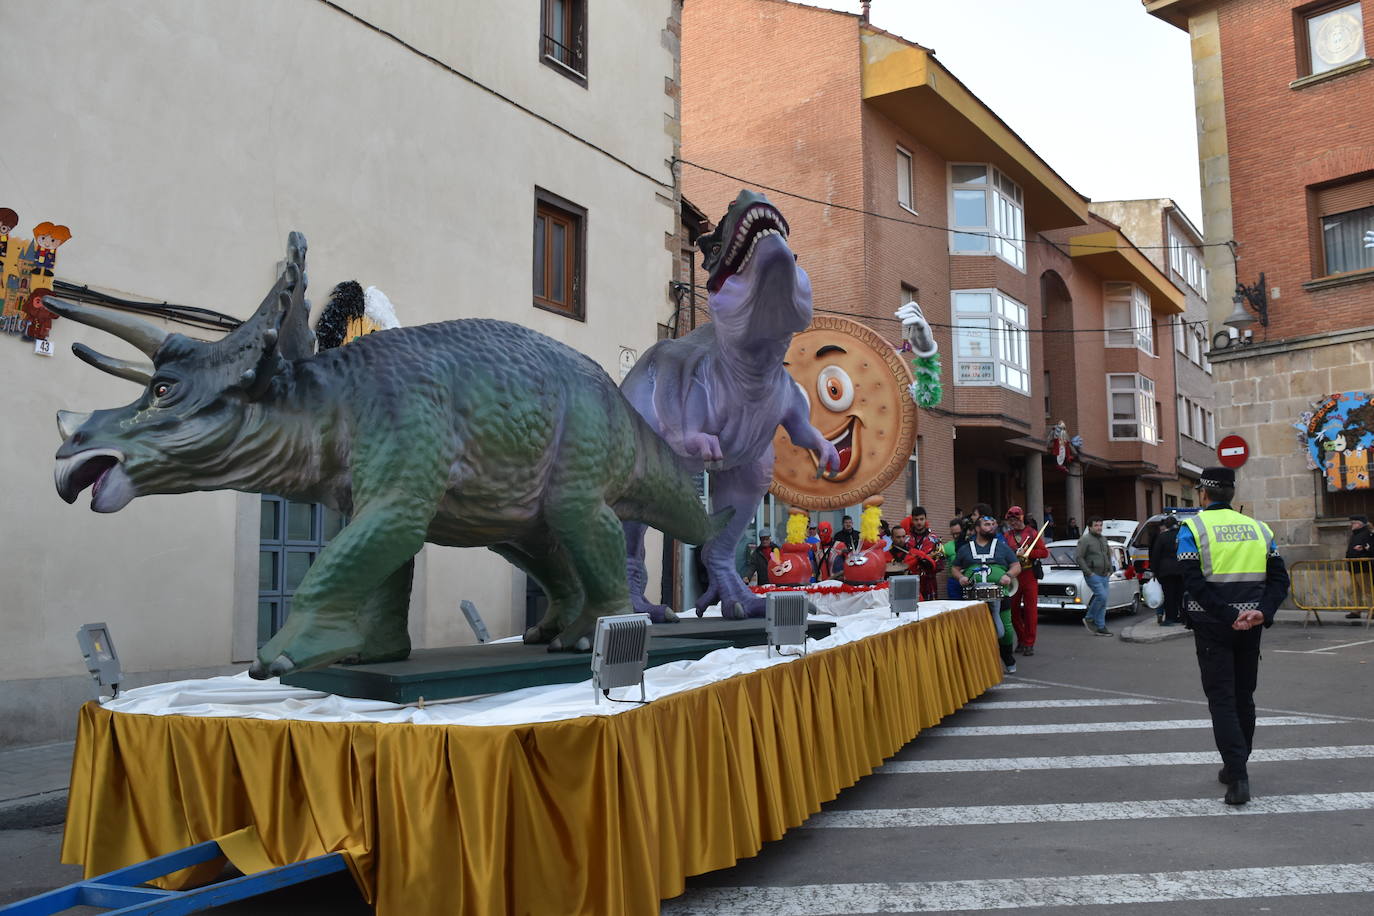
<point x="182" y="139"/>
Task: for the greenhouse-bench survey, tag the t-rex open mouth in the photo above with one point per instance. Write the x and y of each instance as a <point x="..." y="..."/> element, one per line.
<point x="846" y="442"/>
<point x="759" y="221"/>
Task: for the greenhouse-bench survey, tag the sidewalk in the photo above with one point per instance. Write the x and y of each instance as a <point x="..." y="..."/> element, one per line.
<point x="33" y="785"/>
<point x="1147" y="631"/>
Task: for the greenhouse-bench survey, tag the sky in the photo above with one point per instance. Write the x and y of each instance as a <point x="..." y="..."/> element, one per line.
<point x="1101" y="90"/>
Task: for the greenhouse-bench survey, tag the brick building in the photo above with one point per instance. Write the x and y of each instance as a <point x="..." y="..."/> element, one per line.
<point x="1285" y="100"/>
<point x="882" y="151"/>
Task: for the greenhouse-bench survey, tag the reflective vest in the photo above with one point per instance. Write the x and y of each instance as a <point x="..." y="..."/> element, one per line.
<point x="1231" y="548"/>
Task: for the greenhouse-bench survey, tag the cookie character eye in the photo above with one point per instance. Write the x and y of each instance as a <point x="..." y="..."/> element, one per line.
<point x="835" y="389"/>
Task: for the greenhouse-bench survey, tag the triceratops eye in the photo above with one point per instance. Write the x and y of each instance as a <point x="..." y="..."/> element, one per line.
<point x="162" y="389"/>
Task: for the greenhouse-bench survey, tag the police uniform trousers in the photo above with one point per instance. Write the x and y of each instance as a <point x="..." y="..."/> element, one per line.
<point x="1229" y="662"/>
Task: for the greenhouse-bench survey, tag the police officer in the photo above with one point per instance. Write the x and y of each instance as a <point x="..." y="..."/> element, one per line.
<point x="1234" y="579"/>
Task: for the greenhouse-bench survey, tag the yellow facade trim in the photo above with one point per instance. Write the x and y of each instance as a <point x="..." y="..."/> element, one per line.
<point x="910" y="86"/>
<point x="1112" y="257"/>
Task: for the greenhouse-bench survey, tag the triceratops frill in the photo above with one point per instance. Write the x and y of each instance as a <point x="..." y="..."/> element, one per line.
<point x="463" y="433"/>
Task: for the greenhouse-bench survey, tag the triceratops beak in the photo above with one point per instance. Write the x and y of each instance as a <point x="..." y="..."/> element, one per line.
<point x="69" y="421"/>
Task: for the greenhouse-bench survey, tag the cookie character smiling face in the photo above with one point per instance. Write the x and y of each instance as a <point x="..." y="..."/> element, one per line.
<point x="856" y="385"/>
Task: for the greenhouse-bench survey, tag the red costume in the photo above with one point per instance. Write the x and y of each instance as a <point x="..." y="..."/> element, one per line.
<point x="924" y="558"/>
<point x="1025" y="604"/>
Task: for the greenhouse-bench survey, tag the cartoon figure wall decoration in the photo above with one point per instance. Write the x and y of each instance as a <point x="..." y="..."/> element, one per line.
<point x="1338" y="436"/>
<point x="858" y="388"/>
<point x="1064" y="449"/>
<point x="26" y="274"/>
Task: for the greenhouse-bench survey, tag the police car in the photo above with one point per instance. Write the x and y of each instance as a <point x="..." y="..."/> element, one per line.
<point x="1064" y="588"/>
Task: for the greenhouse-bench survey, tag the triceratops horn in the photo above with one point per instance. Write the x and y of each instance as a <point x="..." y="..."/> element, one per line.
<point x="69" y="421"/>
<point x="144" y="335"/>
<point x="142" y="373"/>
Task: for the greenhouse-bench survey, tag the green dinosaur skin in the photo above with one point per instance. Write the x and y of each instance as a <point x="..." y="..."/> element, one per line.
<point x="464" y="433"/>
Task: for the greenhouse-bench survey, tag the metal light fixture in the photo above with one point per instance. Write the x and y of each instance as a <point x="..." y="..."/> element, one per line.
<point x="785" y="620"/>
<point x="904" y="593"/>
<point x="479" y="626"/>
<point x="1257" y="298"/>
<point x="620" y="652"/>
<point x="102" y="661"/>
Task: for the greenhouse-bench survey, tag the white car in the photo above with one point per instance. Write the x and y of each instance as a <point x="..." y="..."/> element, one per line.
<point x="1064" y="588"/>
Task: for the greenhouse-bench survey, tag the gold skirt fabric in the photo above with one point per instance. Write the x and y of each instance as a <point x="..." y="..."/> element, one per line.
<point x="601" y="815"/>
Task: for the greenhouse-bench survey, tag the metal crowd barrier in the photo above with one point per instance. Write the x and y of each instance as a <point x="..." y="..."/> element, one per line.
<point x="1332" y="585"/>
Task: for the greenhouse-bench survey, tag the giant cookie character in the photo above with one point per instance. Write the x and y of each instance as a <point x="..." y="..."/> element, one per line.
<point x="464" y="433"/>
<point x="718" y="394"/>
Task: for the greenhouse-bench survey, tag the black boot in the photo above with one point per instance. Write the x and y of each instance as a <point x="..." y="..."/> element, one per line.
<point x="1223" y="777"/>
<point x="1238" y="792"/>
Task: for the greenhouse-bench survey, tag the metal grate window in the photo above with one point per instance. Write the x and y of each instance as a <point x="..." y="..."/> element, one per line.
<point x="290" y="537"/>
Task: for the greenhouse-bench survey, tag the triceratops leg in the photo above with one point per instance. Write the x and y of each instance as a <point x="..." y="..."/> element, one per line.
<point x="638" y="576"/>
<point x="740" y="488"/>
<point x="595" y="542"/>
<point x="383" y="619"/>
<point x="323" y="626"/>
<point x="548" y="564"/>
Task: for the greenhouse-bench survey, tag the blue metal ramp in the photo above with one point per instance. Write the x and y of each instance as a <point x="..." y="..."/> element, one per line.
<point x="120" y="891"/>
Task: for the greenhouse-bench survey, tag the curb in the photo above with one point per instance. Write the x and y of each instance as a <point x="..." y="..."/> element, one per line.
<point x="1147" y="631"/>
<point x="45" y="809"/>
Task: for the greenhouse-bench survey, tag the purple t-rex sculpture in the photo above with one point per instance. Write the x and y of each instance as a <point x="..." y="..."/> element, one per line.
<point x="718" y="395"/>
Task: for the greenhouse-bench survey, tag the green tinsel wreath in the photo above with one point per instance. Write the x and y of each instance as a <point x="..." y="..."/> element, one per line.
<point x="926" y="391"/>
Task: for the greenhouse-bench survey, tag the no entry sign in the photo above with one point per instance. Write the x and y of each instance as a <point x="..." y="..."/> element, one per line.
<point x="1232" y="451"/>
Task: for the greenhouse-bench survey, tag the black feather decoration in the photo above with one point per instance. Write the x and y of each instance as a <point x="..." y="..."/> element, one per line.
<point x="345" y="304"/>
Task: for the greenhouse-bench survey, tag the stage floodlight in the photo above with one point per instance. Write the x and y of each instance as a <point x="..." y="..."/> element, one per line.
<point x="785" y="619"/>
<point x="479" y="628"/>
<point x="904" y="593"/>
<point x="102" y="661"/>
<point x="620" y="652"/>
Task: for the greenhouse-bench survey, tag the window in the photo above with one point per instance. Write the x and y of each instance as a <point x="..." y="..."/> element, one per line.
<point x="1181" y="411"/>
<point x="563" y="39"/>
<point x="1132" y="405"/>
<point x="1194" y="349"/>
<point x="1128" y="317"/>
<point x="1334" y="36"/>
<point x="904" y="195"/>
<point x="1180" y="336"/>
<point x="1047" y="395"/>
<point x="1187" y="263"/>
<point x="991" y="344"/>
<point x="290" y="537"/>
<point x="988" y="214"/>
<point x="558" y="255"/>
<point x="1347" y="213"/>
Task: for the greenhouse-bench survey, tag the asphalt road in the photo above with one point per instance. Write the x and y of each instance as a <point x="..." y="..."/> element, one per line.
<point x="1094" y="793"/>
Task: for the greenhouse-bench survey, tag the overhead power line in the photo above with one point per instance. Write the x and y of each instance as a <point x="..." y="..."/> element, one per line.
<point x="911" y="222"/>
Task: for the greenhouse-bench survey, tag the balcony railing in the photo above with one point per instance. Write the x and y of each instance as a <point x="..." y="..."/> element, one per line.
<point x="572" y="58"/>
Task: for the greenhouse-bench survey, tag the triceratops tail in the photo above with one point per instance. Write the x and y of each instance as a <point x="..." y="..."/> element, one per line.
<point x="664" y="494"/>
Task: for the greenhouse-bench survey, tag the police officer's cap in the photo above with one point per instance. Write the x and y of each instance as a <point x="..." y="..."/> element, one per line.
<point x="1217" y="478"/>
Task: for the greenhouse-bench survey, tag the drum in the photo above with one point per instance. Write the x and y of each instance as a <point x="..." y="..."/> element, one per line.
<point x="986" y="578"/>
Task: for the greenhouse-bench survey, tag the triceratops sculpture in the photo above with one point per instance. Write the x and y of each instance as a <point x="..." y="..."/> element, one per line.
<point x="465" y="433"/>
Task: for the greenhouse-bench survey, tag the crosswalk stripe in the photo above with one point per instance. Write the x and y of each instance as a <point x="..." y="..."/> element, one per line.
<point x="971" y="731"/>
<point x="1015" y="685"/>
<point x="1090" y="811"/>
<point x="1011" y="893"/>
<point x="1057" y="704"/>
<point x="1083" y="762"/>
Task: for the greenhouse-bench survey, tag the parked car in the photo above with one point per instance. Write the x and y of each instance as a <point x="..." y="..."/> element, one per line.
<point x="1064" y="588"/>
<point x="1138" y="548"/>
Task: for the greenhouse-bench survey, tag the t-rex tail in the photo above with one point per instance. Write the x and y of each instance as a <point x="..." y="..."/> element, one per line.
<point x="662" y="493"/>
